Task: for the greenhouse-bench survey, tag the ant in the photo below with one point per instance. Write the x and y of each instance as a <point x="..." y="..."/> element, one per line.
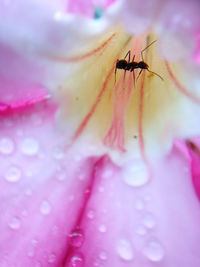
<point x="131" y="66"/>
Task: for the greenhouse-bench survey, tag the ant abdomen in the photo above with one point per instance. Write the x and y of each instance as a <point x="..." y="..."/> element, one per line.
<point x="121" y="64"/>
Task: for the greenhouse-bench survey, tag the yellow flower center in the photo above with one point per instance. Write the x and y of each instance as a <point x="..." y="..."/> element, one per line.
<point x="124" y="109"/>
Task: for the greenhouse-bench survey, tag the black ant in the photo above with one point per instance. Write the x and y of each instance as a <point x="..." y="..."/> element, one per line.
<point x="131" y="66"/>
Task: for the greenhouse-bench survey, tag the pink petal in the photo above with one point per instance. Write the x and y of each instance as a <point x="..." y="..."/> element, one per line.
<point x="126" y="226"/>
<point x="62" y="208"/>
<point x="41" y="195"/>
<point x="16" y="87"/>
<point x="197" y="47"/>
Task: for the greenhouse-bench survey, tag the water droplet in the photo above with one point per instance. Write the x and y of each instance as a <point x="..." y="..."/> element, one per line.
<point x="124" y="249"/>
<point x="34" y="242"/>
<point x="13" y="174"/>
<point x="58" y="152"/>
<point x="45" y="207"/>
<point x="51" y="258"/>
<point x="101" y="189"/>
<point x="103" y="255"/>
<point x="24" y="213"/>
<point x="149" y="221"/>
<point x="147" y="198"/>
<point x="61" y="176"/>
<point x="136" y="174"/>
<point x="29" y="146"/>
<point x="107" y="174"/>
<point x="140" y="230"/>
<point x="6" y="146"/>
<point x="31" y="252"/>
<point x="91" y="214"/>
<point x="71" y="197"/>
<point x="76" y="238"/>
<point x="81" y="176"/>
<point x="139" y="204"/>
<point x="58" y="15"/>
<point x="15" y="223"/>
<point x="38" y="264"/>
<point x="76" y="261"/>
<point x="102" y="228"/>
<point x="154" y="251"/>
<point x="28" y="192"/>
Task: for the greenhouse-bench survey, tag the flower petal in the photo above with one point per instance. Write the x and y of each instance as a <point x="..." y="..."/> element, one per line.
<point x="32" y="44"/>
<point x="140" y="225"/>
<point x="38" y="204"/>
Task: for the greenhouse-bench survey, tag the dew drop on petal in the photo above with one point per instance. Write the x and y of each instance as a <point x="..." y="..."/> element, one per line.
<point x="76" y="261"/>
<point x="58" y="152"/>
<point x="103" y="255"/>
<point x="135" y="174"/>
<point x="51" y="258"/>
<point x="101" y="189"/>
<point x="31" y="252"/>
<point x="28" y="192"/>
<point x="102" y="228"/>
<point x="45" y="207"/>
<point x="149" y="220"/>
<point x="6" y="146"/>
<point x="154" y="251"/>
<point x="139" y="204"/>
<point x="124" y="249"/>
<point x="13" y="174"/>
<point x="90" y="214"/>
<point x="76" y="239"/>
<point x="107" y="174"/>
<point x="140" y="230"/>
<point x="29" y="146"/>
<point x="71" y="197"/>
<point x="15" y="223"/>
<point x="61" y="175"/>
<point x="24" y="213"/>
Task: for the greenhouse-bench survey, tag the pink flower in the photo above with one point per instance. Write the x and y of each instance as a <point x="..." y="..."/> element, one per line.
<point x="95" y="169"/>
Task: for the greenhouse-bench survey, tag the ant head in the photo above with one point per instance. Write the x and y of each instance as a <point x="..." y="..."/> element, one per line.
<point x="143" y="65"/>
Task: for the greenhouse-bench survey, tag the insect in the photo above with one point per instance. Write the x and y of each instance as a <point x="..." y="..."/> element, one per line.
<point x="131" y="66"/>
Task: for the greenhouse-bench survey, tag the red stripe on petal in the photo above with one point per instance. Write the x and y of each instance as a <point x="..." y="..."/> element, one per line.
<point x="181" y="88"/>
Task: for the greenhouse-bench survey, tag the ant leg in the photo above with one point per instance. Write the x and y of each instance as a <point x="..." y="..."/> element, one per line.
<point x="129" y="55"/>
<point x="146" y="48"/>
<point x="134" y="78"/>
<point x="133" y="58"/>
<point x="115" y="74"/>
<point x="155" y="74"/>
<point x="139" y="74"/>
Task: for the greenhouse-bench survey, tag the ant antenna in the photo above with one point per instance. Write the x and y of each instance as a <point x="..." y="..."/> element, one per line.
<point x="146" y="48"/>
<point x="155" y="74"/>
